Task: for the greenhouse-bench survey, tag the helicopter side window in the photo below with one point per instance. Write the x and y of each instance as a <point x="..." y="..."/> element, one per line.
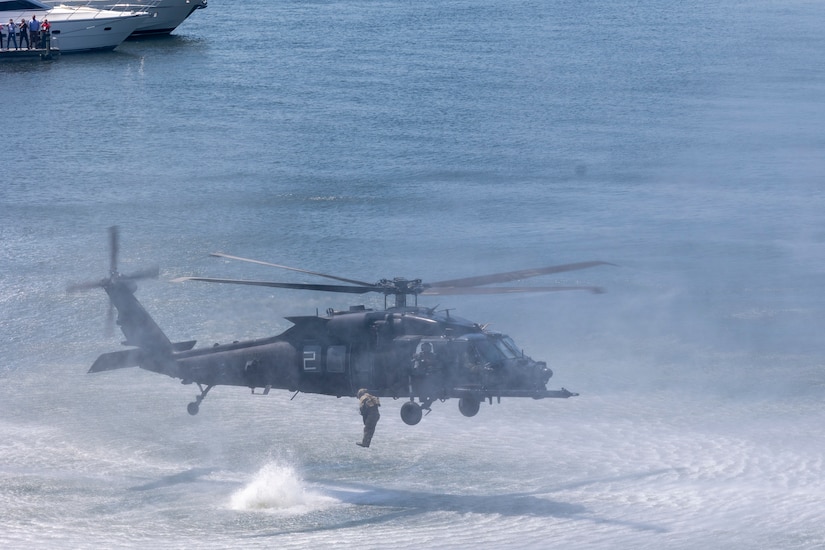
<point x="472" y="359"/>
<point x="336" y="358"/>
<point x="312" y="359"/>
<point x="488" y="352"/>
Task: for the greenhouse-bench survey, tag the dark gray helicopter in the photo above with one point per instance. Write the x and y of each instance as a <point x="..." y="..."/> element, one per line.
<point x="403" y="351"/>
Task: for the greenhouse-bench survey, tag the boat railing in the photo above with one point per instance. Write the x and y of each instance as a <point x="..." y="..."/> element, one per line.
<point x="113" y="5"/>
<point x="134" y="8"/>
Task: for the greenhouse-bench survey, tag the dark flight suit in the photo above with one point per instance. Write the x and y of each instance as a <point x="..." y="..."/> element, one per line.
<point x="427" y="378"/>
<point x="368" y="405"/>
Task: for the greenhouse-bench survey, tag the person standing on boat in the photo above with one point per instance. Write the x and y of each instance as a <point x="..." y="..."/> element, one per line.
<point x="24" y="34"/>
<point x="11" y="29"/>
<point x="45" y="26"/>
<point x="34" y="31"/>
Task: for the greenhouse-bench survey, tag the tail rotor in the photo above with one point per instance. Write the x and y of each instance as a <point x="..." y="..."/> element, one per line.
<point x="115" y="277"/>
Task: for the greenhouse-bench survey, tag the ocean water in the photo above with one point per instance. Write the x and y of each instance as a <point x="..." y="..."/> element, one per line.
<point x="681" y="141"/>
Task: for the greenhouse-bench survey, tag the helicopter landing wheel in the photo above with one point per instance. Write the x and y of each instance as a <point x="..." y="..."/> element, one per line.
<point x="411" y="413"/>
<point x="469" y="405"/>
<point x="193" y="407"/>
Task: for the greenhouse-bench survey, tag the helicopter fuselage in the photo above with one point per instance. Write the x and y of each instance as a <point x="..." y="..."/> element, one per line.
<point x="340" y="352"/>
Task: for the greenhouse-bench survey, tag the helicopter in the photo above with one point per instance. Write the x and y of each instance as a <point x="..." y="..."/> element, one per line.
<point x="405" y="351"/>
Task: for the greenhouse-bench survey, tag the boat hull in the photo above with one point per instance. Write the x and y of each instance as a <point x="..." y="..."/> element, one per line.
<point x="164" y="15"/>
<point x="167" y="15"/>
<point x="84" y="29"/>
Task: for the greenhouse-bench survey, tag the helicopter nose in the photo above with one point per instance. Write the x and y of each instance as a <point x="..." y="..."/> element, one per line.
<point x="544" y="371"/>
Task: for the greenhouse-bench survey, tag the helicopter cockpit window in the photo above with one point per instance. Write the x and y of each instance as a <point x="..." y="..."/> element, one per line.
<point x="507" y="347"/>
<point x="487" y="350"/>
<point x="336" y="358"/>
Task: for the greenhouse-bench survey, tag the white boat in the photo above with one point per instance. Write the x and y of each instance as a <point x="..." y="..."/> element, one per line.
<point x="76" y="29"/>
<point x="165" y="15"/>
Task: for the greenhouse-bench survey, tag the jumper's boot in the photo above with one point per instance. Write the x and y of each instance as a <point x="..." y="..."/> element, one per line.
<point x="362" y="444"/>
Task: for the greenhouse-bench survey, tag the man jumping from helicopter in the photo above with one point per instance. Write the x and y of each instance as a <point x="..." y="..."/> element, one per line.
<point x="368" y="405"/>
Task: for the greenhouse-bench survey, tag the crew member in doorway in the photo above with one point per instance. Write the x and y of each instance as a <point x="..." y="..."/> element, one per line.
<point x="368" y="405"/>
<point x="424" y="361"/>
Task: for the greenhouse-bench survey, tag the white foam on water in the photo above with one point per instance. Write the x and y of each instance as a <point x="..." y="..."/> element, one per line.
<point x="279" y="488"/>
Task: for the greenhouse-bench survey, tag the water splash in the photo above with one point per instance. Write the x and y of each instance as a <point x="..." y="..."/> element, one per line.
<point x="278" y="488"/>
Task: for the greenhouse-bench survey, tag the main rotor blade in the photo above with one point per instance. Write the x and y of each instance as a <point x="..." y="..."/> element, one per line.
<point x="294" y="286"/>
<point x="446" y="291"/>
<point x="512" y="275"/>
<point x="342" y="279"/>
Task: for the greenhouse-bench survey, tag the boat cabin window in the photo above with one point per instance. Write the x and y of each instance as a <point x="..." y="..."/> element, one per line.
<point x="9" y="5"/>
